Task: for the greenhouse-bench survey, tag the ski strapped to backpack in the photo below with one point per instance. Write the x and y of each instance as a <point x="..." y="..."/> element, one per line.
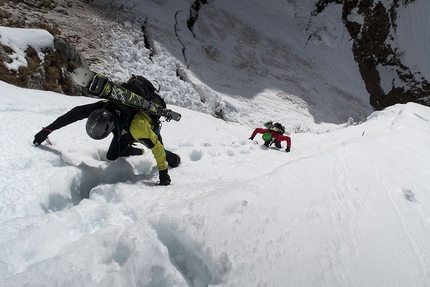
<point x="277" y="127"/>
<point x="103" y="87"/>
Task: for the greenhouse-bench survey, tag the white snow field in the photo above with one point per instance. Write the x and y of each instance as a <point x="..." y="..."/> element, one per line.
<point x="348" y="206"/>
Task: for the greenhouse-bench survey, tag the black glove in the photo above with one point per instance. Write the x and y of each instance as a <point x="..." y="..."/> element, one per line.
<point x="41" y="136"/>
<point x="164" y="177"/>
<point x="173" y="160"/>
<point x="287" y="149"/>
<point x="251" y="138"/>
<point x="127" y="138"/>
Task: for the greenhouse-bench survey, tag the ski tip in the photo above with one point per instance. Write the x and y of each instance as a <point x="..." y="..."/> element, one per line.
<point x="82" y="76"/>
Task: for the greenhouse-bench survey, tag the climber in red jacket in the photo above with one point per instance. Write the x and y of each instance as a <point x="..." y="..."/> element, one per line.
<point x="273" y="133"/>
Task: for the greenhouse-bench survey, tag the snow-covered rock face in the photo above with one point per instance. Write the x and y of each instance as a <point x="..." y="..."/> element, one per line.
<point x="33" y="64"/>
<point x="249" y="59"/>
<point x="384" y="38"/>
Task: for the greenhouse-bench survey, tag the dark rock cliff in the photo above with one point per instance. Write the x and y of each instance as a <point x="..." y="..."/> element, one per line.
<point x="372" y="48"/>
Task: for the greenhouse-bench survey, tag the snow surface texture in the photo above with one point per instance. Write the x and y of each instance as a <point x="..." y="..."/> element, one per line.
<point x="349" y="207"/>
<point x="345" y="208"/>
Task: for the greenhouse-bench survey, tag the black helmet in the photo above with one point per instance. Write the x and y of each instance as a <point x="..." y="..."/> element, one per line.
<point x="100" y="123"/>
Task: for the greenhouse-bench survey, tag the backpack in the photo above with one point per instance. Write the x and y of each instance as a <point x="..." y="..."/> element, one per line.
<point x="144" y="88"/>
<point x="277" y="127"/>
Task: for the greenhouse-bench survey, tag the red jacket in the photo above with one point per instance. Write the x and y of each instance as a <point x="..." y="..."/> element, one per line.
<point x="278" y="137"/>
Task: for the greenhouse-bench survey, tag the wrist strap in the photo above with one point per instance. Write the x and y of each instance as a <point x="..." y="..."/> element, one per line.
<point x="45" y="129"/>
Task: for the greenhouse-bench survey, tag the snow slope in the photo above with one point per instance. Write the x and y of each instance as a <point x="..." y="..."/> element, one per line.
<point x="348" y="206"/>
<point x="246" y="56"/>
<point x="345" y="208"/>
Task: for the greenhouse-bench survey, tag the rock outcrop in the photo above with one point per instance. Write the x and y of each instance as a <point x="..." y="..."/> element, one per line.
<point x="374" y="51"/>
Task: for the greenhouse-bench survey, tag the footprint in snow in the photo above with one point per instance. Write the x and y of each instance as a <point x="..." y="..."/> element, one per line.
<point x="409" y="195"/>
<point x="196" y="155"/>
